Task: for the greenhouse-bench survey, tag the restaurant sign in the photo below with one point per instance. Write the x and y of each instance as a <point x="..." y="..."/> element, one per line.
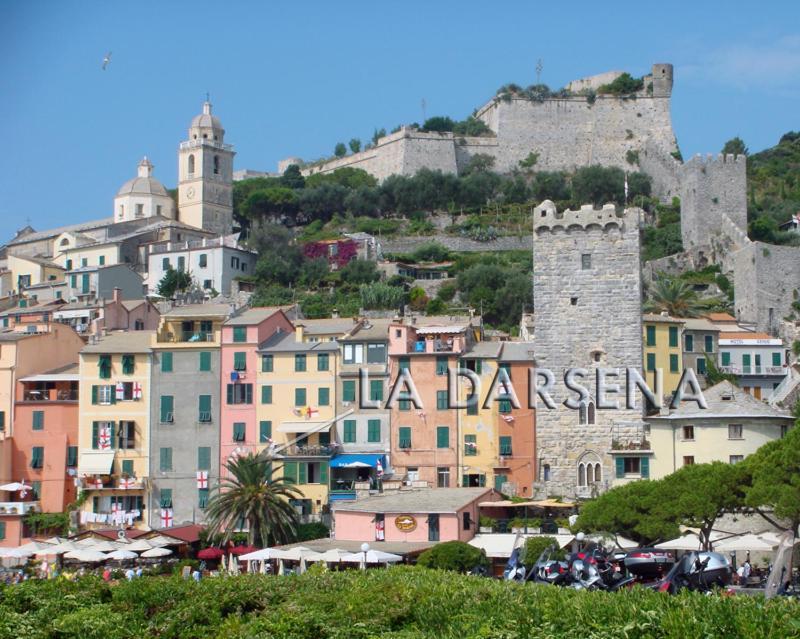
<point x="405" y="523"/>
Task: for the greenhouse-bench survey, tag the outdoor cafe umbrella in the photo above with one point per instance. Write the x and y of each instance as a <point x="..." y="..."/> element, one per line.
<point x="139" y="545"/>
<point x="372" y="557"/>
<point x="689" y="541"/>
<point x="57" y="549"/>
<point x="334" y="555"/>
<point x="86" y="556"/>
<point x="242" y="550"/>
<point x="745" y="542"/>
<point x="119" y="555"/>
<point x="210" y="553"/>
<point x="156" y="552"/>
<point x="15" y="553"/>
<point x="103" y="546"/>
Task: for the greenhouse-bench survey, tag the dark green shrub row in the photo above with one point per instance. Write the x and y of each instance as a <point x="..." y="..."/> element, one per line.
<point x="399" y="602"/>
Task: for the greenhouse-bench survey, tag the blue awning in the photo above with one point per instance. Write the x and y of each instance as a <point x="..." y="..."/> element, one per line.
<point x="357" y="460"/>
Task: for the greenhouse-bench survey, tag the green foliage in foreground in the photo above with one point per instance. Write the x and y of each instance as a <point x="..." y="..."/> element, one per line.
<point x="395" y="603"/>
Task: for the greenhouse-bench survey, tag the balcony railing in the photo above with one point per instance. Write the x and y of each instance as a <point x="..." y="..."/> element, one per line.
<point x="754" y="370"/>
<point x="630" y="444"/>
<point x="309" y="451"/>
<point x="186" y="337"/>
<point x="18" y="507"/>
<point x="50" y="396"/>
<point x="196" y="144"/>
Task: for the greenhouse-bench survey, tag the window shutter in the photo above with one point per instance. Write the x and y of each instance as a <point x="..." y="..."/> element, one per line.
<point x="349" y="391"/>
<point x="111" y="429"/>
<point x="230" y="394"/>
<point x="239" y="432"/>
<point x="248" y="393"/>
<point x="165" y="460"/>
<point x="95" y="434"/>
<point x="239" y="334"/>
<point x="644" y="467"/>
<point x="266" y="364"/>
<point x="651" y="335"/>
<point x="127" y="364"/>
<point x="441" y="365"/>
<point x="324" y="396"/>
<point x="166" y="408"/>
<point x="302" y="474"/>
<point x="374" y="430"/>
<point x="441" y="400"/>
<point x="673" y="336"/>
<point x="166" y="362"/>
<point x="689" y="339"/>
<point x="127" y="467"/>
<point x="349" y="431"/>
<point x="202" y="497"/>
<point x="726" y="359"/>
<point x="2" y="530"/>
<point x="240" y="361"/>
<point x="505" y="445"/>
<point x="94" y="394"/>
<point x="376" y="390"/>
<point x="323" y="473"/>
<point x="205" y="361"/>
<point x="776" y="359"/>
<point x="166" y="497"/>
<point x="290" y="471"/>
<point x="620" y="467"/>
<point x="265" y="431"/>
<point x="470" y="450"/>
<point x="266" y="394"/>
<point x="203" y="458"/>
<point x="299" y="363"/>
<point x="72" y="456"/>
<point x="299" y="396"/>
<point x="442" y="437"/>
<point x="38" y="420"/>
<point x="481" y="480"/>
<point x="472" y="404"/>
<point x="404" y="435"/>
<point x="322" y="362"/>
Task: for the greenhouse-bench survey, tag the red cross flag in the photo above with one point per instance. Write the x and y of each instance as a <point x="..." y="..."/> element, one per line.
<point x="104" y="438"/>
<point x="166" y="517"/>
<point x="94" y="483"/>
<point x="126" y="483"/>
<point x="202" y="479"/>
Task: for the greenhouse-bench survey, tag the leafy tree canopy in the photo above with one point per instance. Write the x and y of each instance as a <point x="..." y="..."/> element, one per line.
<point x="174" y="281"/>
<point x="453" y="555"/>
<point x="736" y="146"/>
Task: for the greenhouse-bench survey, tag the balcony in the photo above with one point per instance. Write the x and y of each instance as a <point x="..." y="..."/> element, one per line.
<point x="18" y="507"/>
<point x="310" y="451"/>
<point x="186" y="337"/>
<point x="196" y="144"/>
<point x="51" y="395"/>
<point x="772" y="371"/>
<point x="630" y="444"/>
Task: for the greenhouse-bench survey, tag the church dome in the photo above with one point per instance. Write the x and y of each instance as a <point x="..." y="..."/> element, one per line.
<point x="206" y="120"/>
<point x="144" y="183"/>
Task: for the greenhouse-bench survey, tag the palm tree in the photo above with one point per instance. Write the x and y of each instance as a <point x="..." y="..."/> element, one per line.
<point x="674" y="296"/>
<point x="252" y="494"/>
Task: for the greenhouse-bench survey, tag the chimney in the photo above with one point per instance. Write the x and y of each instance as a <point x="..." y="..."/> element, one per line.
<point x="117" y="294"/>
<point x="299" y="332"/>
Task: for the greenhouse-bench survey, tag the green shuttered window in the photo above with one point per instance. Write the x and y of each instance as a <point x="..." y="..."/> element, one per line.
<point x="165" y="459"/>
<point x="264" y="431"/>
<point x="205" y="361"/>
<point x="349" y="435"/>
<point x="374" y="430"/>
<point x="204" y="458"/>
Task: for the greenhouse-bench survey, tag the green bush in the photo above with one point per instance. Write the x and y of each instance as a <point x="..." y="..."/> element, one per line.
<point x="534" y="547"/>
<point x="400" y="602"/>
<point x="312" y="530"/>
<point x="622" y="85"/>
<point x="453" y="555"/>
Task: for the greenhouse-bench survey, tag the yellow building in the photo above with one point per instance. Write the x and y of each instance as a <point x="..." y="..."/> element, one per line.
<point x="296" y="401"/>
<point x="27" y="271"/>
<point x="734" y="425"/>
<point x="114" y="429"/>
<point x="478" y="426"/>
<point x="663" y="336"/>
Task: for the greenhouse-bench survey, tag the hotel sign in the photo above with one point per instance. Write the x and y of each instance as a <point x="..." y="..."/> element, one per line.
<point x="405" y="523"/>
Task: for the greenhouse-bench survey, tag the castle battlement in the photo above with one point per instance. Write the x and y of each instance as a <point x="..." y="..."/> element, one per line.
<point x="716" y="160"/>
<point x="547" y="217"/>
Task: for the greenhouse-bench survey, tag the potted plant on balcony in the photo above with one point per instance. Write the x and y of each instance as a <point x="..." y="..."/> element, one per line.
<point x="487" y="524"/>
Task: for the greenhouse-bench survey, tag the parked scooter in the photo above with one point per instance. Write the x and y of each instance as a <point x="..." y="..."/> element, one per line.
<point x="700" y="571"/>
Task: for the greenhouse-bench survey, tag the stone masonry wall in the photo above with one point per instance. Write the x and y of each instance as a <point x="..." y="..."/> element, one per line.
<point x="710" y="188"/>
<point x="454" y="243"/>
<point x="766" y="282"/>
<point x="581" y="311"/>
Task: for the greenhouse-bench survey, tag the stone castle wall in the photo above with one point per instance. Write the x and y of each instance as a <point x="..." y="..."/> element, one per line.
<point x="581" y="312"/>
<point x="766" y="282"/>
<point x="711" y="188"/>
<point x="460" y="244"/>
<point x="566" y="133"/>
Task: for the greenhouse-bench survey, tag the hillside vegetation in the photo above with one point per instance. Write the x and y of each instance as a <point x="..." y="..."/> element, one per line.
<point x="401" y="602"/>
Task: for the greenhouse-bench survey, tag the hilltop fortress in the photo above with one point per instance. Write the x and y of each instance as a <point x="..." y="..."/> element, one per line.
<point x="579" y="128"/>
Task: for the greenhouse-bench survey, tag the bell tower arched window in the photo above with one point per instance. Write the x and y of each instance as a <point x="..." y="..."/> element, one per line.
<point x="216" y="165"/>
<point x="190" y="167"/>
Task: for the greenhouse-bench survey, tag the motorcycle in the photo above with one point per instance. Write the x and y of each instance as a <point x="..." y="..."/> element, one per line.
<point x="700" y="571"/>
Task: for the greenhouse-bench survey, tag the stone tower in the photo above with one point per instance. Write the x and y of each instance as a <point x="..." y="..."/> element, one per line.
<point x="587" y="310"/>
<point x="205" y="175"/>
<point x="662" y="80"/>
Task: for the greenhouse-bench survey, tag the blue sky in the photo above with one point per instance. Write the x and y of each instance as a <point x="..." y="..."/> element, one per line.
<point x="295" y="78"/>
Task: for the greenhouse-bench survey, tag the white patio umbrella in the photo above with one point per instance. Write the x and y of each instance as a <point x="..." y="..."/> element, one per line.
<point x="290" y="554"/>
<point x="223" y="565"/>
<point x="161" y="540"/>
<point x="256" y="555"/>
<point x="372" y="557"/>
<point x="334" y="555"/>
<point x="32" y="547"/>
<point x="689" y="541"/>
<point x="86" y="556"/>
<point x="119" y="555"/>
<point x="58" y="549"/>
<point x="156" y="552"/>
<point x="745" y="542"/>
<point x="770" y="536"/>
<point x="103" y="546"/>
<point x="15" y="553"/>
<point x="139" y="545"/>
<point x="86" y="542"/>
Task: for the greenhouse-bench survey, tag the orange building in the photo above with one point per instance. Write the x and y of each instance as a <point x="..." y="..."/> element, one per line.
<point x="424" y="441"/>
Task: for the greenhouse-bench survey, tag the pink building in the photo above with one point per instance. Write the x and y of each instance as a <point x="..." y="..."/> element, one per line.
<point x="128" y="315"/>
<point x="419" y="515"/>
<point x="241" y="337"/>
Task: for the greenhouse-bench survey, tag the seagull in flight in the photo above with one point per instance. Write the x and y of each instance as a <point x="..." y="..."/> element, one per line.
<point x="106" y="60"/>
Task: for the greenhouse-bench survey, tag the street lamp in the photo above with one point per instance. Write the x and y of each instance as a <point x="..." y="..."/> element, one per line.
<point x="579" y="538"/>
<point x="365" y="550"/>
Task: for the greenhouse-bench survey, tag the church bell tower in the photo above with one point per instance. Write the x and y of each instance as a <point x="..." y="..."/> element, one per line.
<point x="205" y="176"/>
